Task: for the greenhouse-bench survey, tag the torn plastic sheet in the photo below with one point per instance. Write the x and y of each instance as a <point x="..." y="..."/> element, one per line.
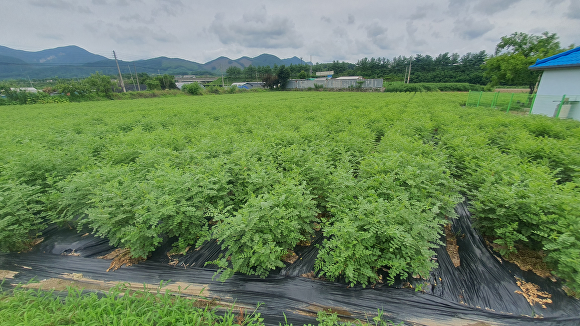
<point x="482" y="289"/>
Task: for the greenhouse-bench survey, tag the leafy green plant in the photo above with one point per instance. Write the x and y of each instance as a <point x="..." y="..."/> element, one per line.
<point x="193" y="89"/>
<point x="21" y="215"/>
<point x="264" y="230"/>
<point x="390" y="216"/>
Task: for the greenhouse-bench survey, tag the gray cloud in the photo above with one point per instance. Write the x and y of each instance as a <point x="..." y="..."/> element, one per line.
<point x="554" y="2"/>
<point x="573" y="11"/>
<point x="493" y="6"/>
<point x="170" y="7"/>
<point x="350" y="19"/>
<point x="469" y="28"/>
<point x="137" y="19"/>
<point x="50" y="36"/>
<point x="340" y="32"/>
<point x="129" y="35"/>
<point x="99" y="2"/>
<point x="61" y="5"/>
<point x="326" y="19"/>
<point x="378" y="35"/>
<point x="138" y="35"/>
<point x="423" y="11"/>
<point x="456" y="6"/>
<point x="257" y="30"/>
<point x="362" y="47"/>
<point x="411" y="33"/>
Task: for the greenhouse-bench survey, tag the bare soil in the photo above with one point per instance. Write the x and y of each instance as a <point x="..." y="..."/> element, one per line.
<point x="451" y="246"/>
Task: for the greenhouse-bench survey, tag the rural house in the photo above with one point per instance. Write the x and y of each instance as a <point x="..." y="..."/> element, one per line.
<point x="559" y="90"/>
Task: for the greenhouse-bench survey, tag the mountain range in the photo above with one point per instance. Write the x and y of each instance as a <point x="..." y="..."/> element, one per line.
<point x="73" y="61"/>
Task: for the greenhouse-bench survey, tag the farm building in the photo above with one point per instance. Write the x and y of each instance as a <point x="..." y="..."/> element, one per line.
<point x="340" y="83"/>
<point x="249" y="85"/>
<point x="559" y="90"/>
<point x="25" y="89"/>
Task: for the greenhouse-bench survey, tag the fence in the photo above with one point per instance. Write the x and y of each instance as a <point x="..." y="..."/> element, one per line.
<point x="335" y="83"/>
<point x="557" y="106"/>
<point x="520" y="102"/>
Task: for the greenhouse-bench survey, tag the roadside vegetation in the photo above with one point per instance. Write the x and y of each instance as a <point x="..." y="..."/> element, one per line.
<point x="123" y="306"/>
<point x="377" y="174"/>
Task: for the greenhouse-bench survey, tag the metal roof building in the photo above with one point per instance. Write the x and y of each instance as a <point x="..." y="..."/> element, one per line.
<point x="559" y="90"/>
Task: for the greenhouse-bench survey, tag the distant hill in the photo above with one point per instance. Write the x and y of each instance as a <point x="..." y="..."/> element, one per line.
<point x="223" y="63"/>
<point x="73" y="62"/>
<point x="66" y="54"/>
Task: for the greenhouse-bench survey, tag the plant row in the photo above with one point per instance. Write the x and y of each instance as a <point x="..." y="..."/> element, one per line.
<point x="377" y="174"/>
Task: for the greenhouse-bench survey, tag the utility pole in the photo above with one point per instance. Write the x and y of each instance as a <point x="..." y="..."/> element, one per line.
<point x="132" y="80"/>
<point x="409" y="75"/>
<point x="311" y="65"/>
<point x="137" y="76"/>
<point x="119" y="69"/>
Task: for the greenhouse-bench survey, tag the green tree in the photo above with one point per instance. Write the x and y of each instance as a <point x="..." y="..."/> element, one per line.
<point x="234" y="72"/>
<point x="270" y="81"/>
<point x="515" y="53"/>
<point x="283" y="75"/>
<point x="250" y="73"/>
<point x="152" y="84"/>
<point x="165" y="82"/>
<point x="100" y="84"/>
<point x="302" y="75"/>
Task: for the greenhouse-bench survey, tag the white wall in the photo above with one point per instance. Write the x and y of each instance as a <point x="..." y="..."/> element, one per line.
<point x="553" y="85"/>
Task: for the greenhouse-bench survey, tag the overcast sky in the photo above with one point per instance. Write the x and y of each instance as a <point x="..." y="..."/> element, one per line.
<point x="328" y="30"/>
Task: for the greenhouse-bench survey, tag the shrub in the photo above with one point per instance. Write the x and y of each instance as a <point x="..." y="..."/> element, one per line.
<point x="390" y="215"/>
<point x="214" y="90"/>
<point x="21" y="215"/>
<point x="193" y="89"/>
<point x="265" y="229"/>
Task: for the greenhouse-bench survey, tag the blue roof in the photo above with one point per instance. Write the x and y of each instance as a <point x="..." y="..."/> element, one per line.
<point x="570" y="58"/>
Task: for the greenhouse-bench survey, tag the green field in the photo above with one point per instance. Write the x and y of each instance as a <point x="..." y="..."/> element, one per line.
<point x="377" y="173"/>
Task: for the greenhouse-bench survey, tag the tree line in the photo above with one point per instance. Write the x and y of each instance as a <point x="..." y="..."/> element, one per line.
<point x="444" y="68"/>
<point x="508" y="65"/>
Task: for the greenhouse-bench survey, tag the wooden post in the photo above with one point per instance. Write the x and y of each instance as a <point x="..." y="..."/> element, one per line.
<point x="137" y="76"/>
<point x="132" y="80"/>
<point x="409" y="75"/>
<point x="119" y="69"/>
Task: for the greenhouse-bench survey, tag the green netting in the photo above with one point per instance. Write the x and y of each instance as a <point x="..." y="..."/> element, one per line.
<point x="502" y="101"/>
